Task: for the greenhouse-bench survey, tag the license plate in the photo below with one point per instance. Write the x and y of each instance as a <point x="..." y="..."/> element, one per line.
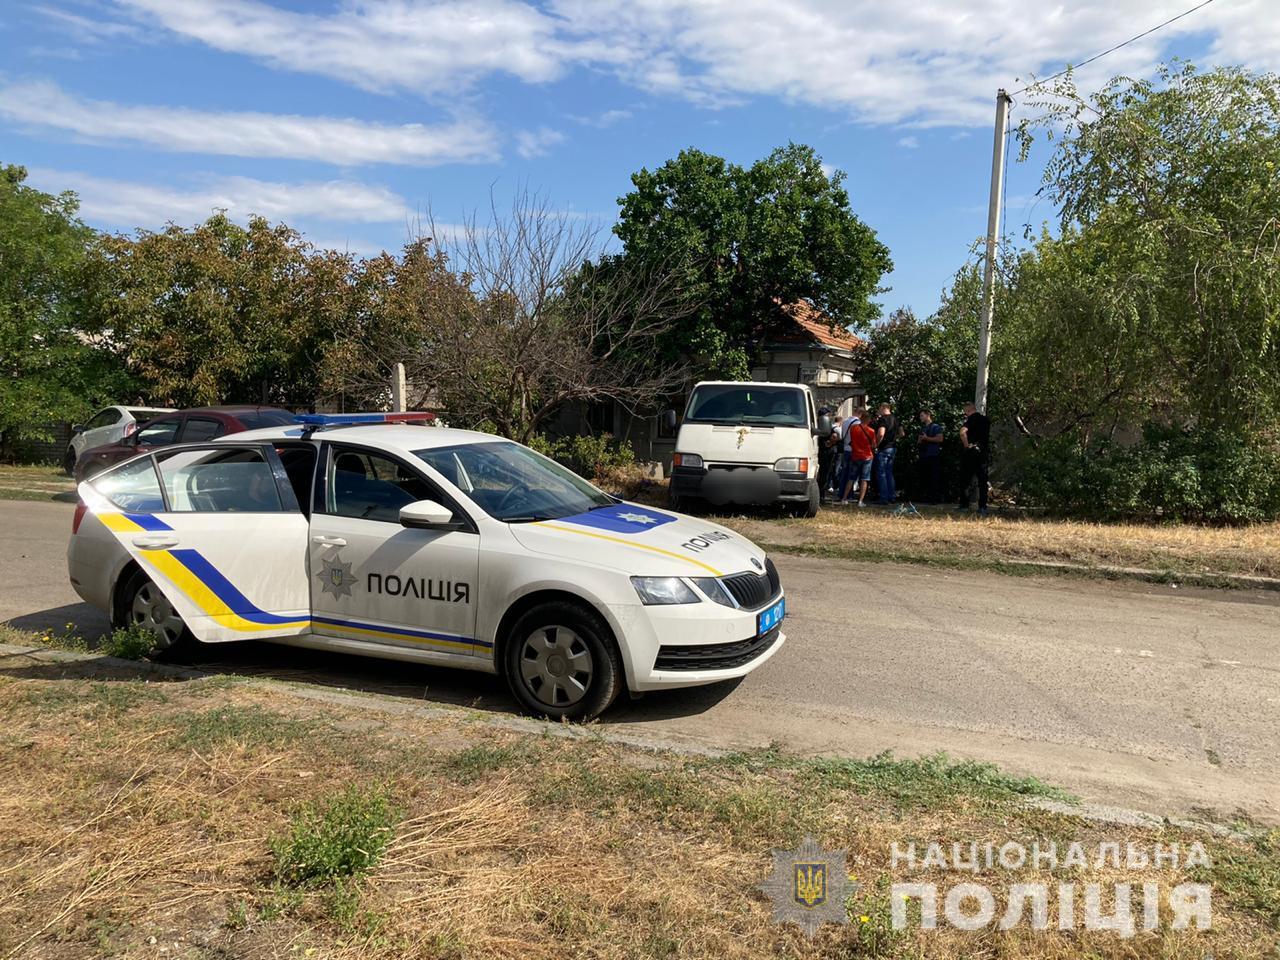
<point x="766" y="620"/>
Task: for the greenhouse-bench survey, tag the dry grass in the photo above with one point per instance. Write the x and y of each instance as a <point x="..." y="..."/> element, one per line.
<point x="942" y="537"/>
<point x="131" y="811"/>
<point x="40" y="483"/>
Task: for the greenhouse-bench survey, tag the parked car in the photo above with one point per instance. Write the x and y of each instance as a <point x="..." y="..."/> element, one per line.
<point x="182" y="426"/>
<point x="108" y="425"/>
<point x="434" y="546"/>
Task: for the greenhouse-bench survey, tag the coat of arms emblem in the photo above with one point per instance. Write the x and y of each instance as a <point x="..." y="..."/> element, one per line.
<point x="809" y="885"/>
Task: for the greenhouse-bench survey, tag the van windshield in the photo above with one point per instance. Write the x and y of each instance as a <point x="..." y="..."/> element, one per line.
<point x="735" y="403"/>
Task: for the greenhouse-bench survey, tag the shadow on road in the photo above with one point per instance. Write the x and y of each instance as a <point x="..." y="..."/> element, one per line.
<point x="414" y="681"/>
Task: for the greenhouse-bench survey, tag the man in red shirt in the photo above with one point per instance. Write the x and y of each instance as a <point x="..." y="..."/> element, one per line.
<point x="861" y="441"/>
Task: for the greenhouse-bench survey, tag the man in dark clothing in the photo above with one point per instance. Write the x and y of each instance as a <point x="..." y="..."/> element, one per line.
<point x="975" y="437"/>
<point x="930" y="446"/>
<point x="886" y="449"/>
<point x="826" y="457"/>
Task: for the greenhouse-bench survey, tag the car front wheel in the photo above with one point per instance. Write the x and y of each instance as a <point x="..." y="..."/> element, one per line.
<point x="561" y="662"/>
<point x="69" y="461"/>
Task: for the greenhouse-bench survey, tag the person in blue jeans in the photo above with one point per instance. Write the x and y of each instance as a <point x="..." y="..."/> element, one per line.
<point x="886" y="449"/>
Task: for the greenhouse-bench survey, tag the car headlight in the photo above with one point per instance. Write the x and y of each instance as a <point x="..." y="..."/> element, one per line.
<point x="792" y="465"/>
<point x="657" y="591"/>
<point x="686" y="460"/>
<point x="714" y="590"/>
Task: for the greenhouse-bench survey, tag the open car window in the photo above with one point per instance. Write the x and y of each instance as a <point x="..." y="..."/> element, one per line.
<point x="370" y="486"/>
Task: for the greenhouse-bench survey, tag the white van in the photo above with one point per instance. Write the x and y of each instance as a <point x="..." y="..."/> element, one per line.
<point x="748" y="443"/>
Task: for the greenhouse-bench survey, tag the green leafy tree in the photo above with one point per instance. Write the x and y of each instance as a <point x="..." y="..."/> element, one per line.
<point x="1161" y="294"/>
<point x="222" y="313"/>
<point x="746" y="239"/>
<point x="51" y="365"/>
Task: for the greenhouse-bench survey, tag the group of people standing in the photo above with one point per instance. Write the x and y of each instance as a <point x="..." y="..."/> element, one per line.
<point x="864" y="446"/>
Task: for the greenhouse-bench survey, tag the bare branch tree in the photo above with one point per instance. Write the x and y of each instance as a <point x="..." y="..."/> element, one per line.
<point x="528" y="315"/>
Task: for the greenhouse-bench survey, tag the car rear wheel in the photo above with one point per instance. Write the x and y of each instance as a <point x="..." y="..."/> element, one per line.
<point x="69" y="461"/>
<point x="145" y="608"/>
<point x="561" y="662"/>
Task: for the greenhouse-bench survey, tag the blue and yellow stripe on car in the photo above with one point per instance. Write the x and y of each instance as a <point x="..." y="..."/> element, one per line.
<point x="222" y="602"/>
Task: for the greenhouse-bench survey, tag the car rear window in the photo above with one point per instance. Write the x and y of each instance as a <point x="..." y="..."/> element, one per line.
<point x="256" y="419"/>
<point x="142" y="416"/>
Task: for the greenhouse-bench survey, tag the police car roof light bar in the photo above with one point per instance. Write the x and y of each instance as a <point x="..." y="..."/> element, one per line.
<point x="319" y="421"/>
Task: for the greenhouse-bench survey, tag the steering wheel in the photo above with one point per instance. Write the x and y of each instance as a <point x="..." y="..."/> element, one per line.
<point x="500" y="507"/>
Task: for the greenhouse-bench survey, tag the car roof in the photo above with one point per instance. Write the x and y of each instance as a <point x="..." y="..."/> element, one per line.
<point x="748" y="383"/>
<point x="403" y="437"/>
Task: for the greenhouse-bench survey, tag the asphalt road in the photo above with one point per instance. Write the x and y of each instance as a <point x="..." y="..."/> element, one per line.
<point x="1159" y="698"/>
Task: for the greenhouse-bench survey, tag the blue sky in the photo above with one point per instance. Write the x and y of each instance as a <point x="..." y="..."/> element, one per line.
<point x="349" y="119"/>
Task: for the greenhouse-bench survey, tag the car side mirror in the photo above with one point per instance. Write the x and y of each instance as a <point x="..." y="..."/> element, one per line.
<point x="669" y="419"/>
<point x="77" y="428"/>
<point x="426" y="515"/>
<point x="824" y="426"/>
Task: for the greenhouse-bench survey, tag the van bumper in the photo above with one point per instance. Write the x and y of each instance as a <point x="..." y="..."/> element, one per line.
<point x="739" y="483"/>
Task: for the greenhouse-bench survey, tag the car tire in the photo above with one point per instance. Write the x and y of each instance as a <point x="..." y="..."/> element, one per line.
<point x="69" y="462"/>
<point x="815" y="500"/>
<point x="142" y="604"/>
<point x="561" y="662"/>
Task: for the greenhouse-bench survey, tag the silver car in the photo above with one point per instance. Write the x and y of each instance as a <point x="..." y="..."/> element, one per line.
<point x="108" y="425"/>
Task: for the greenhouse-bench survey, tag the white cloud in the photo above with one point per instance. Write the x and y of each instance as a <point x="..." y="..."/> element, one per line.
<point x="604" y="120"/>
<point x="536" y="143"/>
<point x="89" y="29"/>
<point x="128" y="204"/>
<point x="909" y="143"/>
<point x="930" y="63"/>
<point x="327" y="139"/>
<point x="423" y="45"/>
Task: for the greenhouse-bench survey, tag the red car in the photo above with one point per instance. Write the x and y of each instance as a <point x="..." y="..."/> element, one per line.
<point x="185" y="426"/>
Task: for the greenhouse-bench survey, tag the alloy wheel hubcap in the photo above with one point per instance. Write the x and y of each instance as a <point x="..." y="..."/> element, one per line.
<point x="152" y="612"/>
<point x="556" y="666"/>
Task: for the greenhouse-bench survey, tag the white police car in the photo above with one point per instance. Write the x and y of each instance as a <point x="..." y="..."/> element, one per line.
<point x="366" y="535"/>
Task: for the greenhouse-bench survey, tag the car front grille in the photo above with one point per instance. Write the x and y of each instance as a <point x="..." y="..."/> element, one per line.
<point x="715" y="656"/>
<point x="753" y="590"/>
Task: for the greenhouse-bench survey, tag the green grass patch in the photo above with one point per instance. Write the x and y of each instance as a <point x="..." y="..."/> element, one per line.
<point x="925" y="782"/>
<point x="96" y="700"/>
<point x="246" y="725"/>
<point x="1248" y="874"/>
<point x="473" y="763"/>
<point x="128" y="643"/>
<point x="335" y="839"/>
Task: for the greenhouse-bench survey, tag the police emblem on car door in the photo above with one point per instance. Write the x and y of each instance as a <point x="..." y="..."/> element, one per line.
<point x="375" y="579"/>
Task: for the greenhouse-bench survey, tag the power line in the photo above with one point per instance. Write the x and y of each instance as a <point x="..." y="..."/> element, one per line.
<point x="1099" y="56"/>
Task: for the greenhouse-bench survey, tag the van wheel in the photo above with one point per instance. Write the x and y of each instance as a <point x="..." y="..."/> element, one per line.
<point x="561" y="662"/>
<point x="144" y="607"/>
<point x="815" y="500"/>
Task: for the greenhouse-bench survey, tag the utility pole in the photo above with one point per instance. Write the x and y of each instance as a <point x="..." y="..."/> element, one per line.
<point x="989" y="262"/>
<point x="398" y="388"/>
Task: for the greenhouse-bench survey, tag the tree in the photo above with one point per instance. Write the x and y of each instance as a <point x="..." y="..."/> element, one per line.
<point x="746" y="240"/>
<point x="50" y="368"/>
<point x="222" y="313"/>
<point x="1161" y="296"/>
<point x="504" y="323"/>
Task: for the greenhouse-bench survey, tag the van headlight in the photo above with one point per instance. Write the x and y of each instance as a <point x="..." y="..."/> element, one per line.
<point x="686" y="460"/>
<point x="792" y="465"/>
<point x="659" y="591"/>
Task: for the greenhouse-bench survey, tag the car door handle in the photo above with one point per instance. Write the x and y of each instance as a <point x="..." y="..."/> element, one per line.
<point x="329" y="541"/>
<point x="155" y="543"/>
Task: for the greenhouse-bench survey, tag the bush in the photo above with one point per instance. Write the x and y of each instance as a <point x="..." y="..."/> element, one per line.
<point x="1206" y="476"/>
<point x="339" y="838"/>
<point x="594" y="457"/>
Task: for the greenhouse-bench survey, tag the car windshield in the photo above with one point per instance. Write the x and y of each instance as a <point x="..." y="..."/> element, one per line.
<point x="512" y="483"/>
<point x="255" y="419"/>
<point x="737" y="403"/>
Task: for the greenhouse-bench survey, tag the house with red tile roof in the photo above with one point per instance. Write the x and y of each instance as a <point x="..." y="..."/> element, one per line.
<point x="802" y="345"/>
